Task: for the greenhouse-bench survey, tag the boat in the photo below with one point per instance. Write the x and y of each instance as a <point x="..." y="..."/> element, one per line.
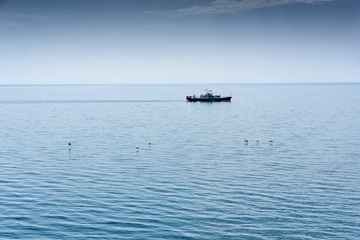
<point x="208" y="97"/>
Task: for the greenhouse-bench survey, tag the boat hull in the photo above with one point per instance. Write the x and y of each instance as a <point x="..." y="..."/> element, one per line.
<point x="223" y="99"/>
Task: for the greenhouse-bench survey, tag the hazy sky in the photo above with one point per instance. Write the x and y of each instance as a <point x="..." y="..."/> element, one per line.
<point x="179" y="41"/>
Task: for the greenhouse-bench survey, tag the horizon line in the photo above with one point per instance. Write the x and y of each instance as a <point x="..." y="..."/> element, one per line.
<point x="98" y="84"/>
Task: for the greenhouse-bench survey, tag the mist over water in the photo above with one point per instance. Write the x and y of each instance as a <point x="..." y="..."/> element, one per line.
<point x="197" y="179"/>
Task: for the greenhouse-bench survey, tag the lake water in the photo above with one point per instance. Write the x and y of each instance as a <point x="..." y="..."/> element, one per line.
<point x="197" y="180"/>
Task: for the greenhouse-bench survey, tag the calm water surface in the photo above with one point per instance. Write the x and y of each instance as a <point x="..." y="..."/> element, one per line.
<point x="197" y="180"/>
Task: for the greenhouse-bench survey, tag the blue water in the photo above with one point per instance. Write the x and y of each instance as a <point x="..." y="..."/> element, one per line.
<point x="197" y="180"/>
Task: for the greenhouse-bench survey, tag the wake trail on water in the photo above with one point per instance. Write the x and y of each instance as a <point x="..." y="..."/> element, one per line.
<point x="85" y="101"/>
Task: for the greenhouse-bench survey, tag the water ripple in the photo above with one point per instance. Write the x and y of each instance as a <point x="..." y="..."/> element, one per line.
<point x="197" y="180"/>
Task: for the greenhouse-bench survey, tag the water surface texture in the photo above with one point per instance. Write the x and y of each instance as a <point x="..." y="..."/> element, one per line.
<point x="197" y="179"/>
